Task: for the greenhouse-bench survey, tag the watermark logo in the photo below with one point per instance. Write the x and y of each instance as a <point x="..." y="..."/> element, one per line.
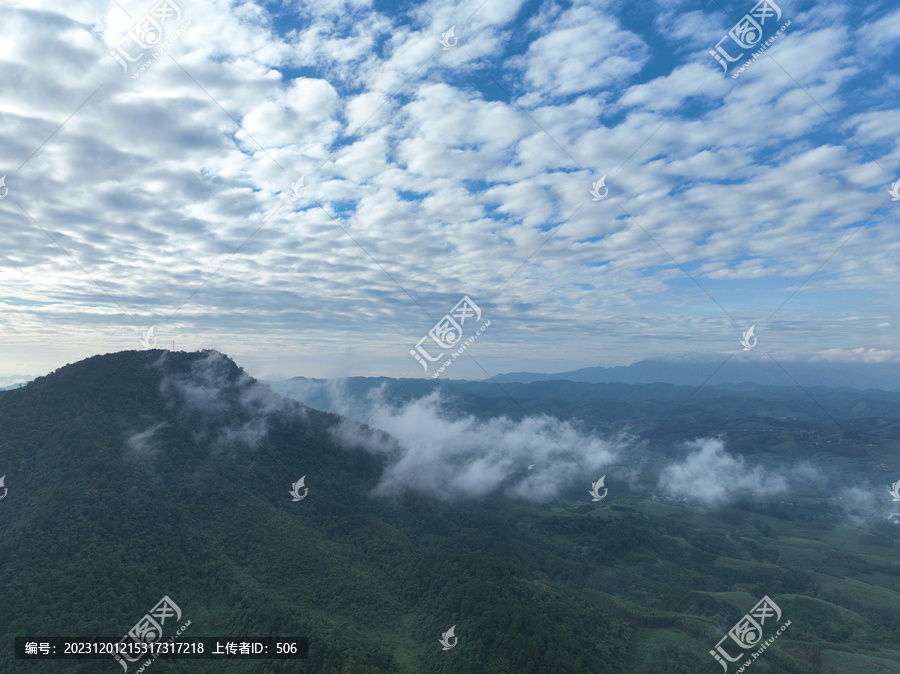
<point x="6" y="189"/>
<point x="447" y="37"/>
<point x="6" y="490"/>
<point x="446" y="637"/>
<point x="895" y="489"/>
<point x="149" y="339"/>
<point x="595" y="189"/>
<point x="748" y="632"/>
<point x="297" y="486"/>
<point x="298" y="189"/>
<point x="747" y="336"/>
<point x="895" y="190"/>
<point x="149" y="629"/>
<point x="447" y="334"/>
<point x="146" y="33"/>
<point x="747" y="33"/>
<point x="595" y="489"/>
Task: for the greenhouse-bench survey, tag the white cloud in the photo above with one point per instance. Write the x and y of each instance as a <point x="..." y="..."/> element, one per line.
<point x="581" y="49"/>
<point x="213" y="387"/>
<point x="861" y="354"/>
<point x="865" y="504"/>
<point x="882" y="34"/>
<point x="153" y="192"/>
<point x="431" y="452"/>
<point x="712" y="477"/>
<point x="140" y="445"/>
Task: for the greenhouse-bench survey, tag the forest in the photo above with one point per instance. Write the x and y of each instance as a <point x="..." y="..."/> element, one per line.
<point x="138" y="475"/>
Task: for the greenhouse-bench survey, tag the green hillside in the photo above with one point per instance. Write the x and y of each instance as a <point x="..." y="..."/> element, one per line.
<point x="141" y="474"/>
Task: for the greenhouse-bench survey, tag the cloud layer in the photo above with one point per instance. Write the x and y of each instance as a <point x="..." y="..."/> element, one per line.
<point x="165" y="199"/>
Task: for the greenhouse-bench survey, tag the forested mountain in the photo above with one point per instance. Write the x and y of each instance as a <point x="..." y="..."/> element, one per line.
<point x="614" y="400"/>
<point x="138" y="475"/>
<point x="764" y="372"/>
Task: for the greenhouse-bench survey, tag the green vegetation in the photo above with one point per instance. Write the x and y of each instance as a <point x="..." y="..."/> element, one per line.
<point x="99" y="524"/>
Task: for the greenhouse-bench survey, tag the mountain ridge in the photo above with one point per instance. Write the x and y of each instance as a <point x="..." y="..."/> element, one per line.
<point x="831" y="374"/>
<point x="142" y="474"/>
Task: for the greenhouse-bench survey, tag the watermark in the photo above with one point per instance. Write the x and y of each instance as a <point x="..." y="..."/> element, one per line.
<point x="895" y="489"/>
<point x="755" y="55"/>
<point x="747" y="336"/>
<point x="446" y="637"/>
<point x="894" y="191"/>
<point x="148" y="630"/>
<point x="447" y="334"/>
<point x="747" y="633"/>
<point x="6" y="189"/>
<point x="298" y="189"/>
<point x="149" y="339"/>
<point x="447" y="37"/>
<point x="147" y="33"/>
<point x="595" y="489"/>
<point x="171" y="639"/>
<point x="595" y="189"/>
<point x="748" y="33"/>
<point x="296" y="487"/>
<point x="5" y="490"/>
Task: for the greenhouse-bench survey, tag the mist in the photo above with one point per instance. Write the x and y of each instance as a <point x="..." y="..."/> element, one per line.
<point x="711" y="476"/>
<point x="433" y="452"/>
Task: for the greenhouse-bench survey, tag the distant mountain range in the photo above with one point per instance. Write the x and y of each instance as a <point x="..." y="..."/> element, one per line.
<point x="12" y="386"/>
<point x="884" y="376"/>
<point x="607" y="401"/>
<point x="14" y="381"/>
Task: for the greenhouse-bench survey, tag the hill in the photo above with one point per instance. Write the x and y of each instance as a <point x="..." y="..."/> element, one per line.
<point x="138" y="475"/>
<point x="763" y="372"/>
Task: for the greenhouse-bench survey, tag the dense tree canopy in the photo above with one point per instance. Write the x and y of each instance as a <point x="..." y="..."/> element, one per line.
<point x="141" y="474"/>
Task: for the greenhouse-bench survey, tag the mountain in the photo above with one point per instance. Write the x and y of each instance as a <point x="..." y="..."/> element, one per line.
<point x="12" y="386"/>
<point x="602" y="404"/>
<point x="138" y="475"/>
<point x="14" y="381"/>
<point x="855" y="375"/>
<point x="143" y="474"/>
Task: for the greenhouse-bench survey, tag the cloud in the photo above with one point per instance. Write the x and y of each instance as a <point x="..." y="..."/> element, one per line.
<point x="205" y="387"/>
<point x="140" y="445"/>
<point x="712" y="477"/>
<point x="15" y="379"/>
<point x="215" y="386"/>
<point x="864" y="503"/>
<point x="250" y="433"/>
<point x="163" y="199"/>
<point x="447" y="457"/>
<point x="580" y="49"/>
<point x="861" y="354"/>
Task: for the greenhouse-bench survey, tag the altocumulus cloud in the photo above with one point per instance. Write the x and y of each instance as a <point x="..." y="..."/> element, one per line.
<point x="428" y="165"/>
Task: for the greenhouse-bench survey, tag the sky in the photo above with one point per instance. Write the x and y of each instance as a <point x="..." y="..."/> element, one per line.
<point x="313" y="189"/>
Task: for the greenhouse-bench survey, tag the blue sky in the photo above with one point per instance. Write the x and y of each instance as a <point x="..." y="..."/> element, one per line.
<point x="164" y="199"/>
